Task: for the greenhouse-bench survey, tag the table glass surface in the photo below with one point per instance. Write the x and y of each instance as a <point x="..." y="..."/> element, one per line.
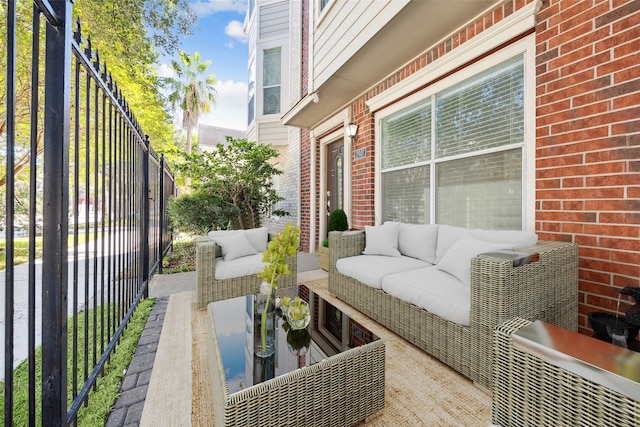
<point x="329" y="332"/>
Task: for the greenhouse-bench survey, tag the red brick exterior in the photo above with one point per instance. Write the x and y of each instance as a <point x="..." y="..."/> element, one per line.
<point x="588" y="141"/>
<point x="587" y="137"/>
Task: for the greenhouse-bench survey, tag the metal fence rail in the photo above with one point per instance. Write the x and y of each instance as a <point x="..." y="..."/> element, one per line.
<point x="80" y="175"/>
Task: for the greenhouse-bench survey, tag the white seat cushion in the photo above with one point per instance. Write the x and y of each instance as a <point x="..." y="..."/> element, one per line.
<point x="245" y="266"/>
<point x="433" y="290"/>
<point x="370" y="269"/>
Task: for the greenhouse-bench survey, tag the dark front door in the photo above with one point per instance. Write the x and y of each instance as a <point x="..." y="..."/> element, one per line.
<point x="335" y="177"/>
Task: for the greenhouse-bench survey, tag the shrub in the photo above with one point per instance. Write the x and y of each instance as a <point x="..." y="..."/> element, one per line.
<point x="338" y="221"/>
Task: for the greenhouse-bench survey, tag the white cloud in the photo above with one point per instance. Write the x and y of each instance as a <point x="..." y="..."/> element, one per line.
<point x="209" y="7"/>
<point x="165" y="70"/>
<point x="230" y="110"/>
<point x="235" y="31"/>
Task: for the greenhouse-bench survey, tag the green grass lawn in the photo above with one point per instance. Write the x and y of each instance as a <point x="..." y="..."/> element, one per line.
<point x="101" y="398"/>
<point x="21" y="248"/>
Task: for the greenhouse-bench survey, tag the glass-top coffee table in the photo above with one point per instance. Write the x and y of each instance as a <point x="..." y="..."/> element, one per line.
<point x="329" y="374"/>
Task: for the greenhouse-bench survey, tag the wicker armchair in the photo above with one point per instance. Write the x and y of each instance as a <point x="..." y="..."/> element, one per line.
<point x="546" y="289"/>
<point x="210" y="289"/>
<point x="545" y="376"/>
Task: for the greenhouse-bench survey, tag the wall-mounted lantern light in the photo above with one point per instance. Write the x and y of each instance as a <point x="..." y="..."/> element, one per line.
<point x="352" y="131"/>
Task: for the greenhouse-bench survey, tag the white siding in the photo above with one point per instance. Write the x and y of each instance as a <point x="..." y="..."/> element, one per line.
<point x="344" y="29"/>
<point x="272" y="133"/>
<point x="274" y="20"/>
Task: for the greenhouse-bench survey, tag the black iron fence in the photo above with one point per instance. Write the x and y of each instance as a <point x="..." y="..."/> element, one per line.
<point x="82" y="179"/>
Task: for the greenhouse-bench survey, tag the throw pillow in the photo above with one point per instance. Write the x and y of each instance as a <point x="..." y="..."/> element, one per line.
<point x="258" y="237"/>
<point x="216" y="234"/>
<point x="418" y="241"/>
<point x="382" y="239"/>
<point x="457" y="260"/>
<point x="235" y="246"/>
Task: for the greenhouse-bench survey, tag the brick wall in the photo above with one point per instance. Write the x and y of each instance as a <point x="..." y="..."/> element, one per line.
<point x="588" y="137"/>
<point x="588" y="141"/>
<point x="305" y="140"/>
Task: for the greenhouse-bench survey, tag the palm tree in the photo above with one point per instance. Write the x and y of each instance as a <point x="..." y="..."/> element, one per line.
<point x="191" y="90"/>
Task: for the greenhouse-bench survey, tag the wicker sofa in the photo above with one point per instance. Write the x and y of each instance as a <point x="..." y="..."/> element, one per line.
<point x="545" y="289"/>
<point x="220" y="276"/>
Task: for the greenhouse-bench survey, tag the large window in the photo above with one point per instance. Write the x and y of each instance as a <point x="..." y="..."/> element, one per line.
<point x="456" y="157"/>
<point x="271" y="76"/>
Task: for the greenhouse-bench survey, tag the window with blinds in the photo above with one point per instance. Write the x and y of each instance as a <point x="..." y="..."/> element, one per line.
<point x="457" y="155"/>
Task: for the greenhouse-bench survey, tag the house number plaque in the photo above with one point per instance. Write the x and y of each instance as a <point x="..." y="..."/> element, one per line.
<point x="360" y="153"/>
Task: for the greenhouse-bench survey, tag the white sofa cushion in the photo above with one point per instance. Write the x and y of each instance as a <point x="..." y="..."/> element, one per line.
<point x="382" y="239"/>
<point x="518" y="239"/>
<point x="235" y="246"/>
<point x="239" y="267"/>
<point x="448" y="235"/>
<point x="370" y="269"/>
<point x="258" y="237"/>
<point x="457" y="260"/>
<point x="433" y="290"/>
<point x="418" y="241"/>
<point x="221" y="233"/>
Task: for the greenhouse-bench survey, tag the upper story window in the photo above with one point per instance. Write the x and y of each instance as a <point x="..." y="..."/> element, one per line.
<point x="271" y="80"/>
<point x="251" y="92"/>
<point x="456" y="157"/>
<point x="323" y="4"/>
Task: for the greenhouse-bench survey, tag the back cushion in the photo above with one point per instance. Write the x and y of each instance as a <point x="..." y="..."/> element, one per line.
<point x="518" y="239"/>
<point x="382" y="239"/>
<point x="448" y="235"/>
<point x="418" y="241"/>
<point x="258" y="237"/>
<point x="213" y="235"/>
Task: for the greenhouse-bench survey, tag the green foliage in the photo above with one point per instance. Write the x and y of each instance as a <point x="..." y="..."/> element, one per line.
<point x="284" y="243"/>
<point x="193" y="91"/>
<point x="338" y="221"/>
<point x="325" y="243"/>
<point x="232" y="185"/>
<point x="181" y="258"/>
<point x="129" y="38"/>
<point x="101" y="398"/>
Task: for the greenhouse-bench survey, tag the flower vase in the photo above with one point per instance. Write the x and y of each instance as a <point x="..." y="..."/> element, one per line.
<point x="264" y="328"/>
<point x="298" y="314"/>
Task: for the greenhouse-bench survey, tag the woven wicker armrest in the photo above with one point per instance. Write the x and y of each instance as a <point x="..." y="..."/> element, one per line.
<point x="547" y="376"/>
<point x="546" y="289"/>
<point x="205" y="262"/>
<point x="343" y="244"/>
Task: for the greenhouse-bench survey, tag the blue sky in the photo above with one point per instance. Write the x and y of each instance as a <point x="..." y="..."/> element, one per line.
<point x="218" y="36"/>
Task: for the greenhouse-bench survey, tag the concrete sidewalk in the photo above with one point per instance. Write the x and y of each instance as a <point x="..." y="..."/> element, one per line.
<point x="127" y="410"/>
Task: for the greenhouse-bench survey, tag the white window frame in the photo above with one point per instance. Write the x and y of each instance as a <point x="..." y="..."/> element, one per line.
<point x="524" y="47"/>
<point x="280" y="86"/>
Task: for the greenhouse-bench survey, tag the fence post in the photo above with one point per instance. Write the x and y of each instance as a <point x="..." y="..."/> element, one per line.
<point x="161" y="216"/>
<point x="57" y="87"/>
<point x="144" y="237"/>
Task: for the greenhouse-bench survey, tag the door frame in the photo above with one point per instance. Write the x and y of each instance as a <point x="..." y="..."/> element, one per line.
<point x="321" y="136"/>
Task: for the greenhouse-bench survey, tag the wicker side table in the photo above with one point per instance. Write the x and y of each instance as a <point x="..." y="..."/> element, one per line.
<point x="548" y="376"/>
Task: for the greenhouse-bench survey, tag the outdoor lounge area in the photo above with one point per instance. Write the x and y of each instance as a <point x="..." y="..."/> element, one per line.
<point x="418" y="388"/>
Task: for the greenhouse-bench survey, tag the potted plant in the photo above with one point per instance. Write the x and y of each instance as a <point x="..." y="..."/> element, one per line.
<point x="337" y="222"/>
